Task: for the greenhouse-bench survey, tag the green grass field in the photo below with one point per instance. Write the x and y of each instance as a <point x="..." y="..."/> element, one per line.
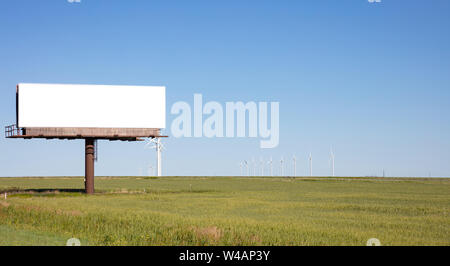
<point x="226" y="211"/>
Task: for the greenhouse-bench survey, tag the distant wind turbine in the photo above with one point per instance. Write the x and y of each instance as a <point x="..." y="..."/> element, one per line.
<point x="150" y="170"/>
<point x="310" y="164"/>
<point x="241" y="165"/>
<point x="246" y="165"/>
<point x="281" y="166"/>
<point x="254" y="166"/>
<point x="332" y="162"/>
<point x="295" y="165"/>
<point x="261" y="161"/>
<point x="155" y="143"/>
<point x="271" y="166"/>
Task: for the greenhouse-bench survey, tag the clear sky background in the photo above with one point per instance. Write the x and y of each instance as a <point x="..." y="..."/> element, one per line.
<point x="370" y="79"/>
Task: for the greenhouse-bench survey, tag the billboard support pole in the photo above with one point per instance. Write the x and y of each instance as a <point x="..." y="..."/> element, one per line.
<point x="89" y="165"/>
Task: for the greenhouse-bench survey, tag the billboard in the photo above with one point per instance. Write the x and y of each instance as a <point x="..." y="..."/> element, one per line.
<point x="94" y="106"/>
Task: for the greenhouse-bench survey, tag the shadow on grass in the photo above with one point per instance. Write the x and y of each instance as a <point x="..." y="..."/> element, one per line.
<point x="61" y="192"/>
<point x="43" y="192"/>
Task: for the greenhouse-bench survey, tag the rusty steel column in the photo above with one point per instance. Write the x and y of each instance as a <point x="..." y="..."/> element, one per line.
<point x="89" y="166"/>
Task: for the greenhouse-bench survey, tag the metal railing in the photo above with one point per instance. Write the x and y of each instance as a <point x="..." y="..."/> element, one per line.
<point x="12" y="130"/>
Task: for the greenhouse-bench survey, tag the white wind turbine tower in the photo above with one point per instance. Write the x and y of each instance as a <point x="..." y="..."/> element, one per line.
<point x="262" y="166"/>
<point x="295" y="165"/>
<point x="156" y="143"/>
<point x="310" y="164"/>
<point x="281" y="166"/>
<point x="150" y="170"/>
<point x="332" y="162"/>
<point x="246" y="165"/>
<point x="271" y="166"/>
<point x="241" y="165"/>
<point x="254" y="166"/>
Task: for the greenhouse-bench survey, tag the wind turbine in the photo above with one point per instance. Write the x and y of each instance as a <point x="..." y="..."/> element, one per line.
<point x="281" y="166"/>
<point x="310" y="164"/>
<point x="241" y="165"/>
<point x="254" y="166"/>
<point x="332" y="162"/>
<point x="271" y="166"/>
<point x="262" y="165"/>
<point x="156" y="143"/>
<point x="295" y="165"/>
<point x="246" y="165"/>
<point x="151" y="172"/>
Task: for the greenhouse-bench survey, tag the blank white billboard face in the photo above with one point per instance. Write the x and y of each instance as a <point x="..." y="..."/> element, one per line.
<point x="104" y="106"/>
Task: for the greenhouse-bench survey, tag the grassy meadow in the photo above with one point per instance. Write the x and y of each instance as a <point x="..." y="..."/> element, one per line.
<point x="225" y="211"/>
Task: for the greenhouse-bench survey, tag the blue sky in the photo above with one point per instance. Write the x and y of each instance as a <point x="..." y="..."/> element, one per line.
<point x="370" y="79"/>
